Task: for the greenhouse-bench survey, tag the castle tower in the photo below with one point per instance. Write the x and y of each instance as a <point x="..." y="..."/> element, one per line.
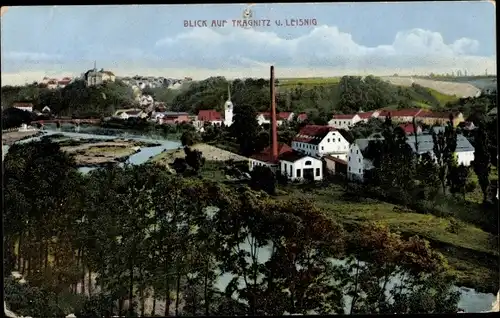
<point x="228" y="108"/>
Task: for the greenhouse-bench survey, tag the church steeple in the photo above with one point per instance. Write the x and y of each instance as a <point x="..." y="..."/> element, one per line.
<point x="95" y="66"/>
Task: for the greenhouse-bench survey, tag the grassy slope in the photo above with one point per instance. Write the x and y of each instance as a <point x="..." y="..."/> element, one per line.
<point x="476" y="196"/>
<point x="310" y="81"/>
<point x="470" y="252"/>
<point x="287" y="83"/>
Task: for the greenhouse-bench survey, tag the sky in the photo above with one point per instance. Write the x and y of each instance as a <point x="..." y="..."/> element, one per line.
<point x="341" y="39"/>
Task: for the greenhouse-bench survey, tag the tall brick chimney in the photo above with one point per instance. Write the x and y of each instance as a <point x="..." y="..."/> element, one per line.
<point x="274" y="126"/>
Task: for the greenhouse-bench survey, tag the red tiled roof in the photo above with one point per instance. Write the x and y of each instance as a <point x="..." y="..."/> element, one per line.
<point x="265" y="155"/>
<point x="408" y="112"/>
<point x="344" y="116"/>
<point x="209" y="115"/>
<point x="22" y="105"/>
<point x="365" y="115"/>
<point x="313" y="134"/>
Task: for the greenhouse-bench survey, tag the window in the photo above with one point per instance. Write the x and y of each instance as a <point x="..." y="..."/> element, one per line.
<point x="356" y="151"/>
<point x="308" y="163"/>
<point x="328" y="140"/>
<point x="298" y="173"/>
<point x="339" y="139"/>
<point x="291" y="170"/>
<point x="359" y="160"/>
<point x="349" y="168"/>
<point x="359" y="170"/>
<point x="317" y="172"/>
<point x="322" y="148"/>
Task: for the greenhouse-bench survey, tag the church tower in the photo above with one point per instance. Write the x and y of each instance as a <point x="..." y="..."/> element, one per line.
<point x="228" y="108"/>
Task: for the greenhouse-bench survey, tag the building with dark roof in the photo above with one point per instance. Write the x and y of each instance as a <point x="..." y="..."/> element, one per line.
<point x="318" y="141"/>
<point x="358" y="164"/>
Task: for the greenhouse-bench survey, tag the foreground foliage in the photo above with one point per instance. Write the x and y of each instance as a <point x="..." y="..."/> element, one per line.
<point x="149" y="236"/>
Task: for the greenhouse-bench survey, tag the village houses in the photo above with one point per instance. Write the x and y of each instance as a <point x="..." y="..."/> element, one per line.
<point x="214" y="117"/>
<point x="346" y="121"/>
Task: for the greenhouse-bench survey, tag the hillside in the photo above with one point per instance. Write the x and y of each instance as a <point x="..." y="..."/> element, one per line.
<point x="322" y="96"/>
<point x="448" y="88"/>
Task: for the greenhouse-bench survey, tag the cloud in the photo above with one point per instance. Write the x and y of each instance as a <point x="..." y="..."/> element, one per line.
<point x="30" y="56"/>
<point x="323" y="46"/>
<point x="236" y="53"/>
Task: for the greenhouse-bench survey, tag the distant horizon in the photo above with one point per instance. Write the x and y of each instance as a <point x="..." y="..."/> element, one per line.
<point x="118" y="75"/>
<point x="301" y="40"/>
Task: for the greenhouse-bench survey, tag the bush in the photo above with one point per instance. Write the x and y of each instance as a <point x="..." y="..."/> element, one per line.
<point x="470" y="186"/>
<point x="455" y="226"/>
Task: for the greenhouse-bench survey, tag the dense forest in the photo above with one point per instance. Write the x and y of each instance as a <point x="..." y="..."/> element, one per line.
<point x="146" y="234"/>
<point x="350" y="94"/>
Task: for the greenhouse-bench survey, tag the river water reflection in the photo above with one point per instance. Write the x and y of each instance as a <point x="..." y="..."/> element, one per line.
<point x="470" y="300"/>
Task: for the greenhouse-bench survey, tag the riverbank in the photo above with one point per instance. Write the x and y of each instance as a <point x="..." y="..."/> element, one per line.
<point x="9" y="138"/>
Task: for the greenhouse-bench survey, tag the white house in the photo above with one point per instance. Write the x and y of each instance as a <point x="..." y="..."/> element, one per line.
<point x="299" y="166"/>
<point x="24" y="106"/>
<point x="357" y="165"/>
<point x="318" y="141"/>
<point x="344" y="121"/>
<point x="295" y="165"/>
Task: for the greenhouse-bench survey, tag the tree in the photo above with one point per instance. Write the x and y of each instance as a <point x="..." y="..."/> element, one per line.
<point x="189" y="138"/>
<point x="194" y="158"/>
<point x="14" y="117"/>
<point x="445" y="144"/>
<point x="383" y="256"/>
<point x="427" y="175"/>
<point x="458" y="179"/>
<point x="482" y="160"/>
<point x="263" y="178"/>
<point x="245" y="128"/>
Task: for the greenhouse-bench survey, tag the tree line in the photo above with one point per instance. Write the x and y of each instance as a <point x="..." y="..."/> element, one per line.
<point x="146" y="234"/>
<point x="429" y="177"/>
<point x="350" y="95"/>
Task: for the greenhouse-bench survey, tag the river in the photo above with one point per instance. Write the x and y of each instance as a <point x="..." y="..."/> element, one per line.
<point x="470" y="300"/>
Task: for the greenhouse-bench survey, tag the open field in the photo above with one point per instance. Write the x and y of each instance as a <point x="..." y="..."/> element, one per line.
<point x="210" y="153"/>
<point x="443" y="87"/>
<point x="471" y="252"/>
<point x="310" y="81"/>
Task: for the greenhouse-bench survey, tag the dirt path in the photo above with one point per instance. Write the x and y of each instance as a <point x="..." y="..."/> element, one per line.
<point x="448" y="88"/>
